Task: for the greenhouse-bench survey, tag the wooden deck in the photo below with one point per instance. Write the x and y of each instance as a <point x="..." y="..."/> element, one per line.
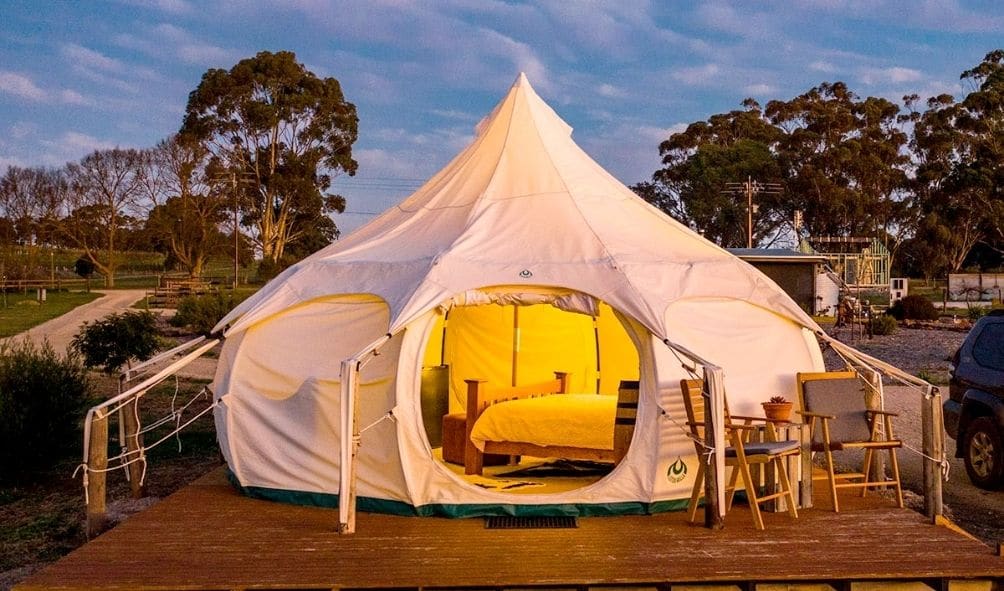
<point x="207" y="537"/>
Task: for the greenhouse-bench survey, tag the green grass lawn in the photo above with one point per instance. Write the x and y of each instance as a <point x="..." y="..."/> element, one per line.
<point x="19" y="312"/>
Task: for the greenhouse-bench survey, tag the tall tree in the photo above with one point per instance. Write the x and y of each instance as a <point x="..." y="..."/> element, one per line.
<point x="190" y="193"/>
<point x="843" y="160"/>
<point x="959" y="159"/>
<point x="283" y="133"/>
<point x="105" y="201"/>
<point x="31" y="200"/>
<point x="700" y="162"/>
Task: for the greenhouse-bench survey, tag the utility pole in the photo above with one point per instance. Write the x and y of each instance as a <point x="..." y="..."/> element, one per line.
<point x="233" y="180"/>
<point x="751" y="189"/>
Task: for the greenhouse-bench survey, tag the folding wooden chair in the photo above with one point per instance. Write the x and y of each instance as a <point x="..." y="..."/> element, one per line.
<point x="833" y="404"/>
<point x="739" y="454"/>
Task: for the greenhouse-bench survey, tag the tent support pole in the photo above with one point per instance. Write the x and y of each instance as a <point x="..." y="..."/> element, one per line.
<point x="350" y="437"/>
<point x="714" y="434"/>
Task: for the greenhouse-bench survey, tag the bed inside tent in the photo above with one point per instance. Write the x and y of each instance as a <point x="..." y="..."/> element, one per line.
<point x="538" y="379"/>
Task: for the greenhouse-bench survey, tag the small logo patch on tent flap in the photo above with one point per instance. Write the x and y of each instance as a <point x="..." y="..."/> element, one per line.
<point x="525" y="274"/>
<point x="677" y="471"/>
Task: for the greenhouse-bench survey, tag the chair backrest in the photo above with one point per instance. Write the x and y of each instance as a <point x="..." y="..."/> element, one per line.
<point x="627" y="414"/>
<point x="693" y="402"/>
<point x="841" y="394"/>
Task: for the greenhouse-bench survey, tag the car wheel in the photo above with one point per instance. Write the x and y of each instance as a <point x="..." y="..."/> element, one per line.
<point x="984" y="454"/>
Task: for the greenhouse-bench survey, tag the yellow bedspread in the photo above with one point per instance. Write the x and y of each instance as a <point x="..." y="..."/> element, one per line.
<point x="576" y="420"/>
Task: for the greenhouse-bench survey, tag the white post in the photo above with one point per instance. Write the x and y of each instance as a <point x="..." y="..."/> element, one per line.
<point x="349" y="441"/>
<point x="715" y="379"/>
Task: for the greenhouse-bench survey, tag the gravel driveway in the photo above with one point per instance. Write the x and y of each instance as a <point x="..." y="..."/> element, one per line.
<point x="926" y="352"/>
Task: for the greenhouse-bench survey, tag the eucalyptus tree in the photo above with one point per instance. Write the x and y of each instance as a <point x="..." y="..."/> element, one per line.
<point x="700" y="163"/>
<point x="844" y="161"/>
<point x="958" y="147"/>
<point x="281" y="133"/>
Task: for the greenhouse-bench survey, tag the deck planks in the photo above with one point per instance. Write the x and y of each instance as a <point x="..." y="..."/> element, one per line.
<point x="207" y="536"/>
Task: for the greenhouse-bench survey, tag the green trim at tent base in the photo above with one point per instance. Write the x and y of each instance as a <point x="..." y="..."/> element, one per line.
<point x="372" y="505"/>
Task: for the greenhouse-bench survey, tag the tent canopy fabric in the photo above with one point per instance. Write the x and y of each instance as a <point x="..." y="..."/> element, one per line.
<point x="522" y="205"/>
<point x="537" y="260"/>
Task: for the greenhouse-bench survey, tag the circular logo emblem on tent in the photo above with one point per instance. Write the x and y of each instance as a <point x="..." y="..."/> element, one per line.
<point x="525" y="274"/>
<point x="677" y="471"/>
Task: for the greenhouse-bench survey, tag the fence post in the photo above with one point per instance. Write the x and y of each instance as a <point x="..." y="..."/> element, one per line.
<point x="134" y="448"/>
<point x="714" y="428"/>
<point x="933" y="447"/>
<point x="97" y="462"/>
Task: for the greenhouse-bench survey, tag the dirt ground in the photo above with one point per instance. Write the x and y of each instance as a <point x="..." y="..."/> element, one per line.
<point x="926" y="352"/>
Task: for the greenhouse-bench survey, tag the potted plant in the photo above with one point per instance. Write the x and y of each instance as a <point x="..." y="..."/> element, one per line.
<point x="778" y="408"/>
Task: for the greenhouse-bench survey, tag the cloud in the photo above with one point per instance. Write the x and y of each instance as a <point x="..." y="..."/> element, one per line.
<point x="610" y="90"/>
<point x="72" y="97"/>
<point x="759" y="89"/>
<point x="79" y="55"/>
<point x="822" y="66"/>
<point x="22" y="129"/>
<point x="72" y="145"/>
<point x="21" y="86"/>
<point x="166" y="41"/>
<point x="696" y="76"/>
<point x="895" y="75"/>
<point x="168" y="6"/>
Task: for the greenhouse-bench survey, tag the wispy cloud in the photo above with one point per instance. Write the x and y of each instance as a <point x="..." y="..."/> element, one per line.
<point x="760" y="89"/>
<point x="21" y="86"/>
<point x="167" y="41"/>
<point x="168" y="6"/>
<point x="822" y="66"/>
<point x="609" y="90"/>
<point x="698" y="75"/>
<point x="894" y="75"/>
<point x="79" y="55"/>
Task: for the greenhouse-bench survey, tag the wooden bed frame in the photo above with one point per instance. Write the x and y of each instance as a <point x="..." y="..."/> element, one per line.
<point x="480" y="396"/>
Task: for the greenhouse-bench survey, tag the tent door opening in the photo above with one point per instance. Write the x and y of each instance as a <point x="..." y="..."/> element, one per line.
<point x="529" y="398"/>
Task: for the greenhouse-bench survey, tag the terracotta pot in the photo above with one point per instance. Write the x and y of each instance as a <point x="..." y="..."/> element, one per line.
<point x="777" y="411"/>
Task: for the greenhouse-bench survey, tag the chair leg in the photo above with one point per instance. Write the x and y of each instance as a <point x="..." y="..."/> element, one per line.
<point x="833" y="480"/>
<point x="866" y="468"/>
<point x="895" y="473"/>
<point x="782" y="475"/>
<point x="695" y="495"/>
<point x="730" y="491"/>
<point x="751" y="495"/>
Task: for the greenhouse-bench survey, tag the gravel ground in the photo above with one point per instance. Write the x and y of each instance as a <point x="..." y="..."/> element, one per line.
<point x="925" y="352"/>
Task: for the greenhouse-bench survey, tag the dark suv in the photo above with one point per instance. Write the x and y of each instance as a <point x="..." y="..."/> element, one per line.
<point x="974" y="411"/>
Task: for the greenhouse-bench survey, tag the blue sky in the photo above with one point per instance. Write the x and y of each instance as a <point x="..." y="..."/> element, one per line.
<point x="82" y="75"/>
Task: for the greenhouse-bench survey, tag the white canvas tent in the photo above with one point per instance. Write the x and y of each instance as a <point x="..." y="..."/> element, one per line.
<point x="336" y="344"/>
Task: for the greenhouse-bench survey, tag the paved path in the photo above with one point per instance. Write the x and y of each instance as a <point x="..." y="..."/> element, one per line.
<point x="60" y="330"/>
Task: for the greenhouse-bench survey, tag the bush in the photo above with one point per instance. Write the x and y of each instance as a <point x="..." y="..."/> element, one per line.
<point x="201" y="313"/>
<point x="116" y="339"/>
<point x="977" y="312"/>
<point x="42" y="396"/>
<point x="884" y="324"/>
<point x="914" y="307"/>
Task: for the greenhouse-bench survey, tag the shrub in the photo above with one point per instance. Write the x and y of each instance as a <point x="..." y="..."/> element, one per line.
<point x="884" y="324"/>
<point x="201" y="313"/>
<point x="116" y="339"/>
<point x="914" y="307"/>
<point x="977" y="312"/>
<point x="42" y="396"/>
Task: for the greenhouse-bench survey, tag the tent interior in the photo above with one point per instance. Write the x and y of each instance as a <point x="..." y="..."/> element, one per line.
<point x="516" y="342"/>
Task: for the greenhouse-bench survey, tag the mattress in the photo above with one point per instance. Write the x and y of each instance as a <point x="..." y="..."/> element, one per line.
<point x="571" y="420"/>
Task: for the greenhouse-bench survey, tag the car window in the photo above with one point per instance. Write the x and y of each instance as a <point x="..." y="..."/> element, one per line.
<point x="988" y="350"/>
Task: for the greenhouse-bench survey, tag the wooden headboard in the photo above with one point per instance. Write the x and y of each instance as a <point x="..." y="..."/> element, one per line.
<point x="480" y="397"/>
